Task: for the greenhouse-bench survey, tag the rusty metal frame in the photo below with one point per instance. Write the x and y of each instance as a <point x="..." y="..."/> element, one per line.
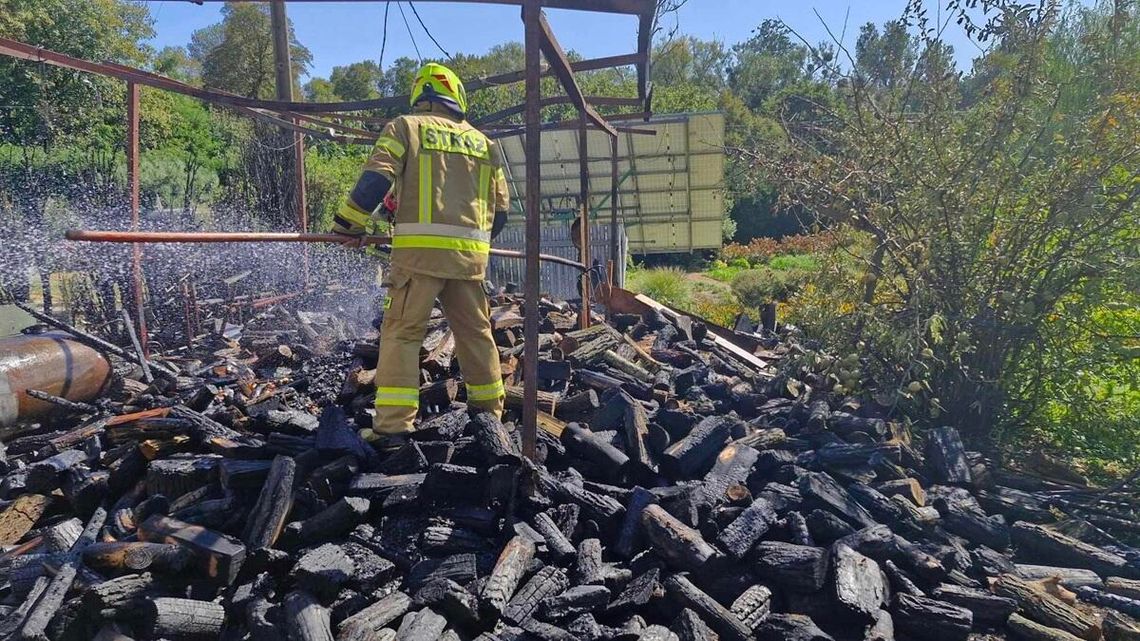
<point x="539" y="38"/>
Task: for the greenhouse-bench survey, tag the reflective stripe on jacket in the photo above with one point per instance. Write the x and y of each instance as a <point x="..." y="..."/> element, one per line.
<point x="450" y="183"/>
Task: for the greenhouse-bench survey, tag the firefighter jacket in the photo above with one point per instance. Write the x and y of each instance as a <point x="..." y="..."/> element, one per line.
<point x="449" y="182"/>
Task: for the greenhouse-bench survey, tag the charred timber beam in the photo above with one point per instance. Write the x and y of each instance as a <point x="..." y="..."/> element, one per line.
<point x="719" y="618"/>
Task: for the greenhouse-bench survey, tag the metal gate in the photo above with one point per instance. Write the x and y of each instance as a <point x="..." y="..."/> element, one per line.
<point x="555" y="280"/>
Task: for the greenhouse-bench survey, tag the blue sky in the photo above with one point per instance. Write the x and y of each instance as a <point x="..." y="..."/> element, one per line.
<point x="339" y="33"/>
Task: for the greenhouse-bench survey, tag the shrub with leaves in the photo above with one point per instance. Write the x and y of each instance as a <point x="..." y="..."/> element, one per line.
<point x="1003" y="207"/>
<point x="758" y="287"/>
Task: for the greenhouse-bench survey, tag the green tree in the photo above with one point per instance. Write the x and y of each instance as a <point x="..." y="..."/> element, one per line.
<point x="884" y="59"/>
<point x="177" y="63"/>
<point x="689" y="75"/>
<point x="358" y="81"/>
<point x="992" y="226"/>
<point x="767" y="63"/>
<point x="321" y="90"/>
<point x="43" y="103"/>
<point x="237" y="55"/>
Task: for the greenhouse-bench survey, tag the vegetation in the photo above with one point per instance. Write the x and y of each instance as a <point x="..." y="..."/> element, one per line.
<point x="966" y="238"/>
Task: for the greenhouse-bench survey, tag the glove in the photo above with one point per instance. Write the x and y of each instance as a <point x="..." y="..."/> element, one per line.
<point x="498" y="224"/>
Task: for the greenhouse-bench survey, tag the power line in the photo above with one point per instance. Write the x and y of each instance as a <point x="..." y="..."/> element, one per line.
<point x="427" y="31"/>
<point x="412" y="36"/>
<point x="384" y="42"/>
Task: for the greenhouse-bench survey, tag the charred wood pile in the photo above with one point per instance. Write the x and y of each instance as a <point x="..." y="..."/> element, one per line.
<point x="685" y="489"/>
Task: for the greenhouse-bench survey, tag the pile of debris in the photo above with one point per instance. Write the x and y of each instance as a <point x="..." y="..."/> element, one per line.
<point x="685" y="489"/>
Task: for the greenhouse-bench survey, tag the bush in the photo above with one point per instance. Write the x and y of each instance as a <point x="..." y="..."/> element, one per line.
<point x="739" y="263"/>
<point x="794" y="262"/>
<point x="758" y="287"/>
<point x="761" y="250"/>
<point x="667" y="285"/>
<point x="1002" y="211"/>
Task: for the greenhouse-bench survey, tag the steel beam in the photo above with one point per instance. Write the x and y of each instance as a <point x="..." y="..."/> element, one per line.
<point x="23" y="51"/>
<point x="533" y="42"/>
<point x="560" y="65"/>
<point x="560" y="100"/>
<point x="629" y="7"/>
<point x="133" y="200"/>
<point x="614" y="205"/>
<point x="584" y="217"/>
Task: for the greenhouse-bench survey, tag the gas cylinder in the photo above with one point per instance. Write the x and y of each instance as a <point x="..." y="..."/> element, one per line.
<point x="49" y="362"/>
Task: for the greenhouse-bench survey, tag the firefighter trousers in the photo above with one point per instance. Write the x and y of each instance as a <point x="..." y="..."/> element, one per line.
<point x="407" y="309"/>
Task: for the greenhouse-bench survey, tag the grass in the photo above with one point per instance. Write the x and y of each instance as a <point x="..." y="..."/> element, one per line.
<point x="667" y="285"/>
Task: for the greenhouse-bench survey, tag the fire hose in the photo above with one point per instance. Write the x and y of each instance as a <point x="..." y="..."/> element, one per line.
<point x="99" y="236"/>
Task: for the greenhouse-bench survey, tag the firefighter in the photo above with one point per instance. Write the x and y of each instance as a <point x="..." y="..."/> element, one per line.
<point x="451" y="199"/>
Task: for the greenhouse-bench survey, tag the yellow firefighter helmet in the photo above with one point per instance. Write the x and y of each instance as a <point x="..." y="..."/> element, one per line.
<point x="437" y="83"/>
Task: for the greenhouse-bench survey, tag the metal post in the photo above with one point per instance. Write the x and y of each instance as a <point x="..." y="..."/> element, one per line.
<point x="531" y="14"/>
<point x="133" y="191"/>
<point x="284" y="69"/>
<point x="614" y="207"/>
<point x="584" y="219"/>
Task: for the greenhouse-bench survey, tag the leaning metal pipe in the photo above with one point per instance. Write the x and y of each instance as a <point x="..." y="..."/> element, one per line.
<point x="99" y="236"/>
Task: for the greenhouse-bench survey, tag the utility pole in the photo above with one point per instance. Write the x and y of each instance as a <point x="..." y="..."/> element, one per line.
<point x="284" y="68"/>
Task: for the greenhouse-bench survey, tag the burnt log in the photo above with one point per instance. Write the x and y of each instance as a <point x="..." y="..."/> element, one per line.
<point x="1069" y="577"/>
<point x="753" y="606"/>
<point x="171" y="618"/>
<point x="791" y="627"/>
<point x="881" y="544"/>
<point x="946" y="457"/>
<point x="1129" y="588"/>
<point x="20" y="516"/>
<point x="129" y="557"/>
<point x="986" y="607"/>
<point x="589" y="568"/>
<point x="214" y="555"/>
<point x="267" y="519"/>
<point x="335" y="520"/>
<point x="926" y="618"/>
<point x="907" y="488"/>
<point x="574" y="601"/>
<point x="424" y="625"/>
<point x="821" y="489"/>
<point x="1023" y="628"/>
<point x="883" y="628"/>
<point x="690" y="627"/>
<point x="732" y="468"/>
<point x="629" y="536"/>
<point x="860" y="586"/>
<point x="496" y="441"/>
<point x="674" y="541"/>
<point x="748" y="528"/>
<point x="34" y="626"/>
<point x="323" y="570"/>
<point x="1045" y="608"/>
<point x="585" y="444"/>
<point x="692" y="456"/>
<point x="547" y="582"/>
<point x="1053" y="545"/>
<point x="46" y="475"/>
<point x="720" y="619"/>
<point x="556" y="542"/>
<point x="974" y="526"/>
<point x="577" y="406"/>
<point x="504" y="579"/>
<point x="796" y="567"/>
<point x="638" y="592"/>
<point x="305" y="618"/>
